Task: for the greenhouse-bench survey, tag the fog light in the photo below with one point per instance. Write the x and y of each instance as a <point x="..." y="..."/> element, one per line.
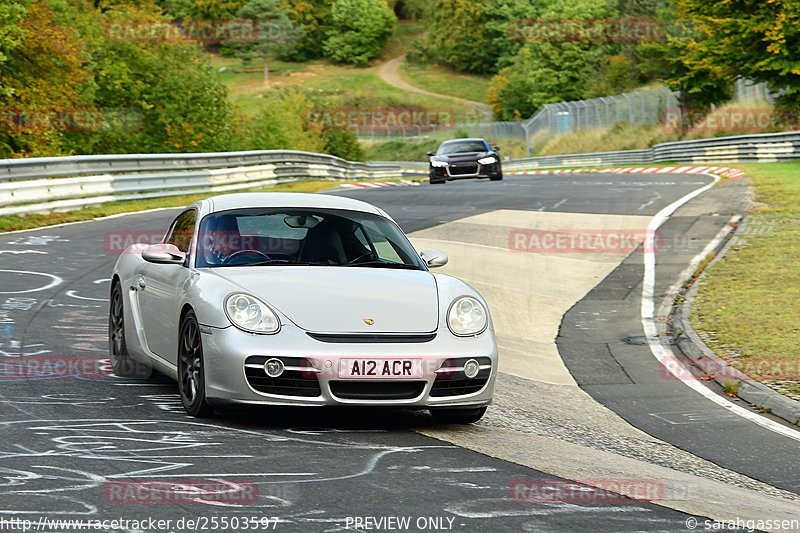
<point x="274" y="368"/>
<point x="471" y="368"/>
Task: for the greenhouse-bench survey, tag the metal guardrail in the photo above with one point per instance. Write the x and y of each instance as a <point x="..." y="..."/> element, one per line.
<point x="42" y="184"/>
<point x="756" y="148"/>
<point x="46" y="167"/>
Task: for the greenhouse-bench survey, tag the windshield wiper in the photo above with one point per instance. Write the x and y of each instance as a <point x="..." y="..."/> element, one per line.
<point x="385" y="264"/>
<point x="271" y="262"/>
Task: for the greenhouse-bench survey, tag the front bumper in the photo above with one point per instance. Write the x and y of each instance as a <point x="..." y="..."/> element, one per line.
<point x="232" y="358"/>
<point x="462" y="169"/>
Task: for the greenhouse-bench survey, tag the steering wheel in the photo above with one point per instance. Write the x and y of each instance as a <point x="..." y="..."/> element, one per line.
<point x="240" y="252"/>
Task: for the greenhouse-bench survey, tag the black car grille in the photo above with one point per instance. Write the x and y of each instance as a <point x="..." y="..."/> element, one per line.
<point x="377" y="390"/>
<point x="456" y="383"/>
<point x="372" y="338"/>
<point x="457" y="169"/>
<point x="290" y="383"/>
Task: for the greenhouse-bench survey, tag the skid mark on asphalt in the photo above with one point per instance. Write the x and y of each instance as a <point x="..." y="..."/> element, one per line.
<point x="99" y="451"/>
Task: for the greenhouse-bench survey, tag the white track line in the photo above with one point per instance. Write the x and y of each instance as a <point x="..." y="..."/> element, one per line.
<point x="661" y="352"/>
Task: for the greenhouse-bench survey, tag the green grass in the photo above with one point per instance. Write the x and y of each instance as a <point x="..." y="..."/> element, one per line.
<point x="20" y="222"/>
<point x="620" y="137"/>
<point x="444" y="80"/>
<point x="402" y="41"/>
<point x="748" y="301"/>
<point x="340" y="86"/>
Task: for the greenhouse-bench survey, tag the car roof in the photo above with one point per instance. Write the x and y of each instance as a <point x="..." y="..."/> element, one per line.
<point x="244" y="200"/>
<point x="465" y="139"/>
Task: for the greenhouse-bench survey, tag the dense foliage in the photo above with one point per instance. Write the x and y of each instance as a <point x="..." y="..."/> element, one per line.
<point x="359" y="30"/>
<point x="70" y="84"/>
<point x="73" y="80"/>
<point x="77" y="76"/>
<point x="697" y="47"/>
<point x="753" y="39"/>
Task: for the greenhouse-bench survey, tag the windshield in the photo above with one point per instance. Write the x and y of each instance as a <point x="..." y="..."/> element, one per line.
<point x="323" y="237"/>
<point x="462" y="146"/>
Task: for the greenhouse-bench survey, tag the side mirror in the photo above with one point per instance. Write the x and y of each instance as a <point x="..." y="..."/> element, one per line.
<point x="433" y="257"/>
<point x="431" y="153"/>
<point x="165" y="254"/>
<point x="495" y="148"/>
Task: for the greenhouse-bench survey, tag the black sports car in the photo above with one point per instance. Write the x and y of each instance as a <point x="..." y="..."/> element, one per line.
<point x="465" y="158"/>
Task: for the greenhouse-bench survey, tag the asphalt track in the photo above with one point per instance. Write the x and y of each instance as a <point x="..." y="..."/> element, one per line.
<point x="64" y="440"/>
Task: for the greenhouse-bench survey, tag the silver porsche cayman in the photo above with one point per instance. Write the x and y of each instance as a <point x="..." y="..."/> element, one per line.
<point x="300" y="299"/>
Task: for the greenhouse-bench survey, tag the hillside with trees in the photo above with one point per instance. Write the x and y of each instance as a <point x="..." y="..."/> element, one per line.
<point x="99" y="76"/>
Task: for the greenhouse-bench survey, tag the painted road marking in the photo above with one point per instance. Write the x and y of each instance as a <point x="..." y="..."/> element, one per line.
<point x="662" y="352"/>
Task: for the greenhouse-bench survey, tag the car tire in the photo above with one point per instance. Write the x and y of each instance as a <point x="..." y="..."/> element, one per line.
<point x="457" y="415"/>
<point x="122" y="363"/>
<point x="438" y="182"/>
<point x="496" y="178"/>
<point x="191" y="373"/>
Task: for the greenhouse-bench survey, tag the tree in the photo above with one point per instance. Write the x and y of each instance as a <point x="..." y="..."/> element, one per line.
<point x="11" y="31"/>
<point x="342" y="143"/>
<point x="314" y="17"/>
<point x="544" y="72"/>
<point x="42" y="77"/>
<point x="207" y="9"/>
<point x="755" y="39"/>
<point x="280" y="124"/>
<point x="502" y="17"/>
<point x="409" y="9"/>
<point x="275" y="33"/>
<point x="359" y="30"/>
<point x="456" y="36"/>
<point x="700" y="83"/>
<point x="71" y="87"/>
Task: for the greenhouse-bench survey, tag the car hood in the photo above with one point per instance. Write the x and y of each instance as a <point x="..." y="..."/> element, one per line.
<point x="342" y="299"/>
<point x="461" y="156"/>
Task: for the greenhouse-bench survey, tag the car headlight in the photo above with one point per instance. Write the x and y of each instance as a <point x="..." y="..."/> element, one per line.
<point x="487" y="160"/>
<point x="437" y="163"/>
<point x="466" y="316"/>
<point x="251" y="314"/>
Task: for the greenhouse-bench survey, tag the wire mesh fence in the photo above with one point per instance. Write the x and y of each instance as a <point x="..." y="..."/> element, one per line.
<point x="745" y="90"/>
<point x="488" y="130"/>
<point x="637" y="108"/>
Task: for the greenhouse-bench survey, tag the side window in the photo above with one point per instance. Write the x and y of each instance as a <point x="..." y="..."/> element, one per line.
<point x="180" y="234"/>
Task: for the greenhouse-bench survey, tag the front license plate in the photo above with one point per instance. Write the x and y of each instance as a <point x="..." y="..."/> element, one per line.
<point x="380" y="368"/>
